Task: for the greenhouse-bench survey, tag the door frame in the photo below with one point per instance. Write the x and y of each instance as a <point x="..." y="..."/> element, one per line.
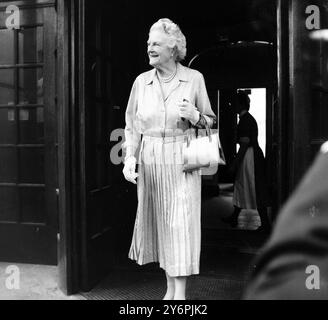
<point x="281" y="107"/>
<point x="72" y="260"/>
<point x="68" y="148"/>
<point x="70" y="98"/>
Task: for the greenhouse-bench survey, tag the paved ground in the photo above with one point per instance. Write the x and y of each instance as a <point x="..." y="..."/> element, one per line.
<point x="224" y="274"/>
<point x="35" y="283"/>
<point x="225" y="265"/>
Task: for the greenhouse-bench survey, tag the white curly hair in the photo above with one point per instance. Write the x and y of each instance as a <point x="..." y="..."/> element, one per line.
<point x="177" y="40"/>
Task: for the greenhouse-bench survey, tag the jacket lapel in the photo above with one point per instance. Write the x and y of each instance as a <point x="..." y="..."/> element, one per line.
<point x="175" y="84"/>
<point x="154" y="83"/>
<point x="158" y="90"/>
<point x="180" y="77"/>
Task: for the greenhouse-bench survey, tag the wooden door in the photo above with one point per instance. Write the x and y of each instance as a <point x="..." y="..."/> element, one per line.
<point x="28" y="169"/>
<point x="102" y="208"/>
<point x="308" y="86"/>
<point x="95" y="218"/>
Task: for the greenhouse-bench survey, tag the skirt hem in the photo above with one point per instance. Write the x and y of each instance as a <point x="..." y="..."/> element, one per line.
<point x="191" y="269"/>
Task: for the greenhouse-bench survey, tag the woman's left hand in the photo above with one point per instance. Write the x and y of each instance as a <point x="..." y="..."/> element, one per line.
<point x="188" y="111"/>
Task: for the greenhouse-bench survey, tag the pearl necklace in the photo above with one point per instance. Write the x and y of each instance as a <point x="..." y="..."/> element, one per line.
<point x="169" y="78"/>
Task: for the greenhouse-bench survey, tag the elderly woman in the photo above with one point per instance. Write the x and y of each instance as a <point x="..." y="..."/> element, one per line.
<point x="164" y="103"/>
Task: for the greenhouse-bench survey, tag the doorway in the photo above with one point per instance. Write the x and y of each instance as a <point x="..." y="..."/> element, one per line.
<point x="258" y="110"/>
<point x="110" y="53"/>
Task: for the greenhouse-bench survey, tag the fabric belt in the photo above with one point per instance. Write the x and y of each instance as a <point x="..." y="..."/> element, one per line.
<point x="168" y="136"/>
<point x="165" y="139"/>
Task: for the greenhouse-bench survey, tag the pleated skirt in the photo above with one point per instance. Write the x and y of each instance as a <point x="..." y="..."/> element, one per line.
<point x="168" y="222"/>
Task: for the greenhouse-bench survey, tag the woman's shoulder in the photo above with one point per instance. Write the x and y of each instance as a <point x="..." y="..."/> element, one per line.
<point x="146" y="76"/>
<point x="191" y="73"/>
<point x="250" y="118"/>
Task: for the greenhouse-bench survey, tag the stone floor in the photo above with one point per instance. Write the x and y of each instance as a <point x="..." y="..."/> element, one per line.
<point x="227" y="260"/>
<point x="33" y="282"/>
<point x="224" y="274"/>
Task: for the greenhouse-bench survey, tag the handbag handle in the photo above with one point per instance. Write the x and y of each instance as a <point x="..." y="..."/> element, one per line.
<point x="208" y="132"/>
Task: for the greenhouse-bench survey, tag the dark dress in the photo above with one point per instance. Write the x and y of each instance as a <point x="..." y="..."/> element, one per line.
<point x="250" y="190"/>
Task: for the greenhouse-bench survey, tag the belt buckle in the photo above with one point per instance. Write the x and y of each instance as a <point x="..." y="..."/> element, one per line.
<point x="163" y="135"/>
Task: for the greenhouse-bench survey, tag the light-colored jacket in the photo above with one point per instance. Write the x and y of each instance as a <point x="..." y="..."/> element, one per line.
<point x="148" y="111"/>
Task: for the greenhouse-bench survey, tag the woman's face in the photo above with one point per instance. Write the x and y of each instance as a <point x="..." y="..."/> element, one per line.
<point x="159" y="53"/>
<point x="239" y="107"/>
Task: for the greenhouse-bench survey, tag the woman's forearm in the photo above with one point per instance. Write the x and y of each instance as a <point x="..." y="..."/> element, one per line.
<point x="201" y="124"/>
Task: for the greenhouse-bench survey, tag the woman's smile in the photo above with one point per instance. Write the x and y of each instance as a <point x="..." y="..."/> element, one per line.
<point x="153" y="55"/>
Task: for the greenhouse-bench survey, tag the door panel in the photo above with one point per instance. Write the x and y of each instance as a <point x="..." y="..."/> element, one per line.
<point x="98" y="184"/>
<point x="108" y="201"/>
<point x="28" y="174"/>
<point x="319" y="86"/>
<point x="308" y="90"/>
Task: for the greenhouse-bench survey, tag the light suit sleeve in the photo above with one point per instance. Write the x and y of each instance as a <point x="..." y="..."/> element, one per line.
<point x="203" y="104"/>
<point x="132" y="135"/>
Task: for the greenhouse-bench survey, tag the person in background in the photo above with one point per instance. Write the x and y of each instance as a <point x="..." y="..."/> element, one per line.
<point x="248" y="167"/>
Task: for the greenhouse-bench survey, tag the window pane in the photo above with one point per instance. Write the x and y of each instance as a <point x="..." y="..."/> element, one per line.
<point x="8" y="204"/>
<point x="7" y="126"/>
<point x="7" y="88"/>
<point x="31" y="128"/>
<point x="32" y="205"/>
<point x="31" y="164"/>
<point x="30" y="86"/>
<point x="30" y="42"/>
<point x="7" y="46"/>
<point x="8" y="165"/>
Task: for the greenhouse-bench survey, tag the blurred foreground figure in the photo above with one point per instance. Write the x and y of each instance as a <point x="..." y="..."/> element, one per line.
<point x="294" y="263"/>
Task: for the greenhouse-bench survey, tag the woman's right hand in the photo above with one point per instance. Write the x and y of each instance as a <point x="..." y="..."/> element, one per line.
<point x="129" y="170"/>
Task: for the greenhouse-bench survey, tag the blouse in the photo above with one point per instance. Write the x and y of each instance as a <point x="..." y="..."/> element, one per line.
<point x="148" y="110"/>
<point x="247" y="127"/>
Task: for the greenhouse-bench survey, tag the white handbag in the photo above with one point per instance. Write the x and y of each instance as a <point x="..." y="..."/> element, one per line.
<point x="202" y="151"/>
